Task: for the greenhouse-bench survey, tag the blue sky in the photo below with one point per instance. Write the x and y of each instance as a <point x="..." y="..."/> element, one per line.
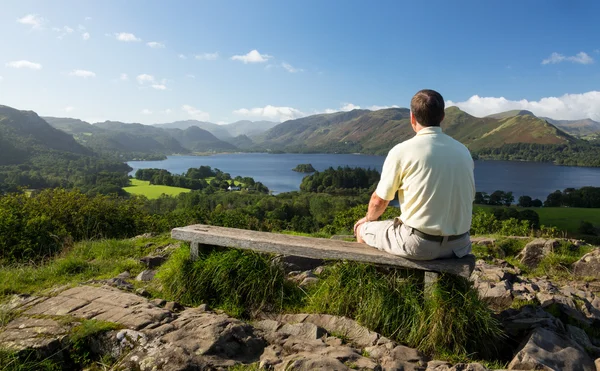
<point x="222" y="61"/>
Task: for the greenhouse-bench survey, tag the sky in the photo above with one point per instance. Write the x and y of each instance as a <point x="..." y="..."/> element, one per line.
<point x="223" y="61"/>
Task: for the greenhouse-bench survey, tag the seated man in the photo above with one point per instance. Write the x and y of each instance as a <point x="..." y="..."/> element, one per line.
<point x="433" y="175"/>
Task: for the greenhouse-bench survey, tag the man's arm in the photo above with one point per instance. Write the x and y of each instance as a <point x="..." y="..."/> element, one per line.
<point x="377" y="206"/>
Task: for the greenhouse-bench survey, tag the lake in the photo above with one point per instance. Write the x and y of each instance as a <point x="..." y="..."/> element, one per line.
<point x="534" y="179"/>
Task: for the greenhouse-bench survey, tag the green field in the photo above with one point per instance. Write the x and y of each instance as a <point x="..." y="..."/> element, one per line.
<point x="564" y="218"/>
<point x="144" y="188"/>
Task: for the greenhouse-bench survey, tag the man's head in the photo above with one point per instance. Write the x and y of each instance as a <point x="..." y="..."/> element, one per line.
<point x="427" y="108"/>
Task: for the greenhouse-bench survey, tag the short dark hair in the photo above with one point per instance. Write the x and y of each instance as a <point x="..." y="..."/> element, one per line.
<point x="428" y="107"/>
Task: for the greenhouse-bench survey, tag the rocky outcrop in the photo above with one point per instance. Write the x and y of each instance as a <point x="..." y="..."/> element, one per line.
<point x="588" y="265"/>
<point x="535" y="251"/>
<point x="546" y="350"/>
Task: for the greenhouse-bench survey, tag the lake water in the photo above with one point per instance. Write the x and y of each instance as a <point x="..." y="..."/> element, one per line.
<point x="275" y="171"/>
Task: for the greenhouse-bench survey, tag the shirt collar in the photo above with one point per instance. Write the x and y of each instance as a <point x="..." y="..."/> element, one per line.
<point x="430" y="130"/>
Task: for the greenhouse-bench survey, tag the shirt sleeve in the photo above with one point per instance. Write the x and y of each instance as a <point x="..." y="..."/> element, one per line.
<point x="390" y="178"/>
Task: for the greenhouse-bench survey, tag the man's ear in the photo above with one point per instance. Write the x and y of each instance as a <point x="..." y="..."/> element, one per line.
<point x="413" y="120"/>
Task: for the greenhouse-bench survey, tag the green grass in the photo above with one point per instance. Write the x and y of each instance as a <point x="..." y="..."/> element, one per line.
<point x="144" y="188"/>
<point x="85" y="261"/>
<point x="564" y="218"/>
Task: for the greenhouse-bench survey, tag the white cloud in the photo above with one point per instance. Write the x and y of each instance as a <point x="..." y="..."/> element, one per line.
<point x="344" y="107"/>
<point x="182" y="56"/>
<point x="146" y="111"/>
<point x="69" y="109"/>
<point x="566" y="107"/>
<point x="581" y="58"/>
<point x="82" y="73"/>
<point x="196" y="113"/>
<point x="168" y="111"/>
<point x="377" y="108"/>
<point x="207" y="56"/>
<point x="85" y="36"/>
<point x="88" y="18"/>
<point x="81" y="27"/>
<point x="271" y="112"/>
<point x="252" y="57"/>
<point x="68" y="29"/>
<point x="190" y="76"/>
<point x="127" y="37"/>
<point x="159" y="86"/>
<point x="143" y="78"/>
<point x="24" y="64"/>
<point x="35" y="21"/>
<point x="155" y="44"/>
<point x="56" y="29"/>
<point x="123" y="77"/>
<point x="1" y="78"/>
<point x="291" y="69"/>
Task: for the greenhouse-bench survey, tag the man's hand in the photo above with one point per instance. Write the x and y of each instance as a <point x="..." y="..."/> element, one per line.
<point x="358" y="224"/>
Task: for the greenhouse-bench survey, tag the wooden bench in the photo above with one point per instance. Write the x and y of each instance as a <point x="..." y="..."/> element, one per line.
<point x="315" y="248"/>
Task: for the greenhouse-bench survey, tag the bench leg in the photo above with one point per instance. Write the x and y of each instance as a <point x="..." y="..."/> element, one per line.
<point x="429" y="280"/>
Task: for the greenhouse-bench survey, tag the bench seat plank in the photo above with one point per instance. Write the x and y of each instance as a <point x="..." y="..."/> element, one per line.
<point x="316" y="248"/>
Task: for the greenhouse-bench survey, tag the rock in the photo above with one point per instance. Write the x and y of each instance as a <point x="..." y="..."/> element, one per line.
<point x="469" y="367"/>
<point x="310" y="362"/>
<point x="484" y="241"/>
<point x="358" y="335"/>
<point x="196" y="340"/>
<point x="535" y="251"/>
<point x="145" y="235"/>
<point x="303" y="330"/>
<point x="153" y="261"/>
<point x="159" y="302"/>
<point x="174" y="306"/>
<point x="318" y="270"/>
<point x="588" y="265"/>
<point x="546" y="350"/>
<point x="438" y="365"/>
<point x="143" y="292"/>
<point x="580" y="337"/>
<point x="297" y="263"/>
<point x="44" y="335"/>
<point x="124" y="275"/>
<point x="102" y="303"/>
<point x="146" y="275"/>
<point x="517" y="323"/>
<point x="119" y="283"/>
<point x="309" y="281"/>
<point x="498" y="295"/>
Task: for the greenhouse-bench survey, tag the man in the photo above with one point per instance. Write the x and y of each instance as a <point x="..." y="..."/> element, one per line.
<point x="433" y="175"/>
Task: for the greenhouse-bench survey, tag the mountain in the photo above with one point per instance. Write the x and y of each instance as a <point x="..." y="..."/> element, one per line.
<point x="218" y="131"/>
<point x="581" y="127"/>
<point x="36" y="155"/>
<point x="24" y="135"/>
<point x="158" y="140"/>
<point x="198" y="140"/>
<point x="242" y="142"/>
<point x="249" y="128"/>
<point x="378" y="131"/>
<point x="71" y="126"/>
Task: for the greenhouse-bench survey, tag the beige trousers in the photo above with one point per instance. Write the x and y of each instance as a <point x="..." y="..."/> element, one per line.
<point x="395" y="238"/>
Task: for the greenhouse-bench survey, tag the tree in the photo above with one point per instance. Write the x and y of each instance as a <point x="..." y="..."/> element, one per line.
<point x="508" y="198"/>
<point x="496" y="198"/>
<point x="536" y="203"/>
<point x="525" y="201"/>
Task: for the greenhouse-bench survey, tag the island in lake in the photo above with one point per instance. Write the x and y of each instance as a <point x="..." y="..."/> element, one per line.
<point x="304" y="168"/>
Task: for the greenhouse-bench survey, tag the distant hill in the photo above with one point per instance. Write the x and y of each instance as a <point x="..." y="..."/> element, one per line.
<point x="198" y="140"/>
<point x="34" y="154"/>
<point x="71" y="126"/>
<point x="378" y="131"/>
<point x="581" y="127"/>
<point x="249" y="128"/>
<point x="218" y="131"/>
<point x="242" y="142"/>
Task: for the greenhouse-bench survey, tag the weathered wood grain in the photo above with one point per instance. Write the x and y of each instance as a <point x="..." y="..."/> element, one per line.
<point x="311" y="247"/>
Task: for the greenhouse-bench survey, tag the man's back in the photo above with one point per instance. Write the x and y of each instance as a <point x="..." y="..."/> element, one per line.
<point x="435" y="182"/>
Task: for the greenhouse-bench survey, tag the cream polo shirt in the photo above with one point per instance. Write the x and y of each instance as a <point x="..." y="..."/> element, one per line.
<point x="433" y="175"/>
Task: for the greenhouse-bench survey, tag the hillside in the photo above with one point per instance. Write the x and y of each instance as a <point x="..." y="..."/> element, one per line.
<point x="218" y="131"/>
<point x="72" y="126"/>
<point x="36" y="155"/>
<point x="576" y="127"/>
<point x="377" y="131"/>
<point x="198" y="140"/>
<point x="249" y="128"/>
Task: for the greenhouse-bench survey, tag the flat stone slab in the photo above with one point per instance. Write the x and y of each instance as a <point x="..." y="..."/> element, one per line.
<point x="33" y="333"/>
<point x="311" y="247"/>
<point x="102" y="303"/>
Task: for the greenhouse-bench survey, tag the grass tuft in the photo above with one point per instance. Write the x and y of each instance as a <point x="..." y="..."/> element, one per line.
<point x="452" y="320"/>
<point x="240" y="282"/>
